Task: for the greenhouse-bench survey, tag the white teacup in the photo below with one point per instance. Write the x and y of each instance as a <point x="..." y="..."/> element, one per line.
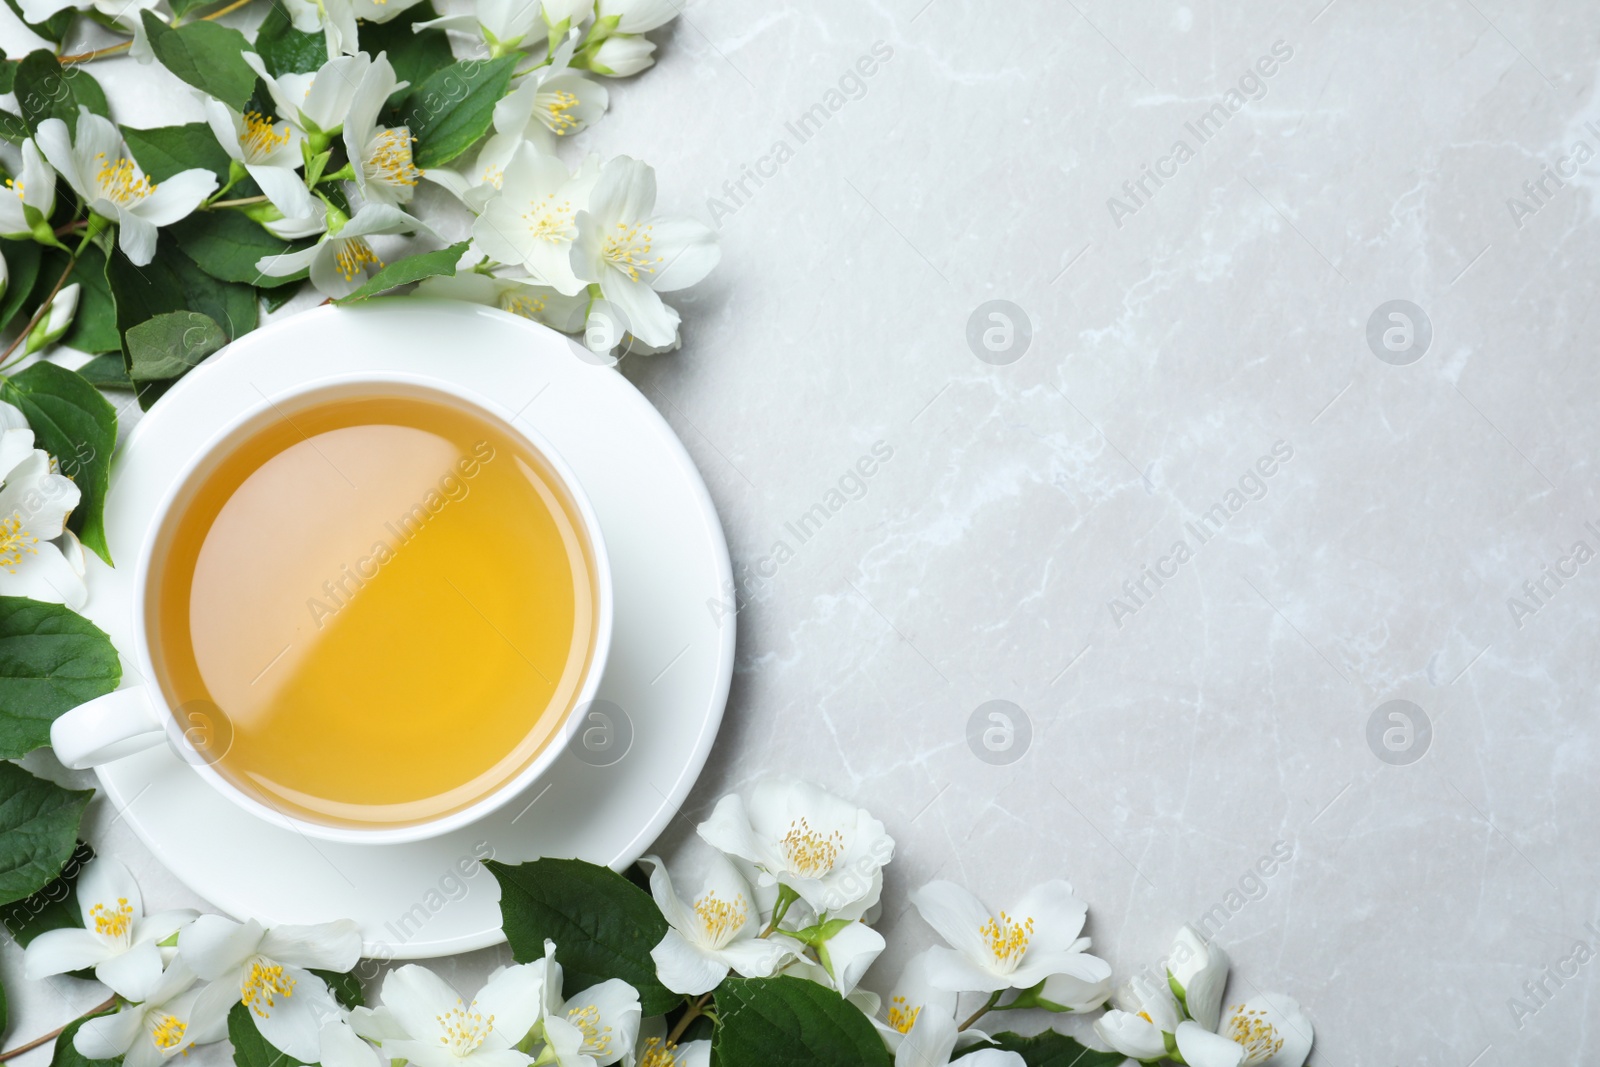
<point x="140" y="716"/>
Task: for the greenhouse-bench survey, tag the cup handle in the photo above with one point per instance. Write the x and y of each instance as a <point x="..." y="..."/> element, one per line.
<point x="106" y="728"/>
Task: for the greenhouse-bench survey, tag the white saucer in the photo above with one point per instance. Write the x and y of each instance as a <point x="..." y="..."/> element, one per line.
<point x="671" y="660"/>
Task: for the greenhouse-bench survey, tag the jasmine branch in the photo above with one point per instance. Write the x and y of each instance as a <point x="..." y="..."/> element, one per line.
<point x="107" y="1005"/>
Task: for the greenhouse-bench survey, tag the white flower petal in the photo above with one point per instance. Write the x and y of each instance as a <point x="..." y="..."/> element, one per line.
<point x="929" y="1042"/>
<point x="60" y="951"/>
<point x="955" y="915"/>
<point x="46" y="575"/>
<point x="1288" y="1024"/>
<point x="128" y="973"/>
<point x="688" y="249"/>
<point x="678" y="914"/>
<point x="213" y="946"/>
<point x="56" y="143"/>
<point x="136" y="237"/>
<point x="756" y="957"/>
<point x="334" y="946"/>
<point x="683" y="968"/>
<point x="287" y="191"/>
<point x="418" y="998"/>
<point x="294" y="1023"/>
<point x="1131" y="1035"/>
<point x="177" y="197"/>
<point x="340" y="1046"/>
<point x="106" y="1037"/>
<point x="287" y="263"/>
<point x="655" y="323"/>
<point x="515" y="998"/>
<point x="1201" y="1048"/>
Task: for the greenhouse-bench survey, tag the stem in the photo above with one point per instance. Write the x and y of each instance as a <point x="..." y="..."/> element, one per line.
<point x="108" y="50"/>
<point x="43" y="310"/>
<point x="113" y="49"/>
<point x="230" y="9"/>
<point x="110" y="1003"/>
<point x="988" y="1006"/>
<point x="786" y="896"/>
<point x="696" y="1009"/>
<point x="241" y="202"/>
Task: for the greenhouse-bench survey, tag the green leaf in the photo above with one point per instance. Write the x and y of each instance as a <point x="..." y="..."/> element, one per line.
<point x="8" y="72"/>
<point x="55" y="907"/>
<point x="174" y="283"/>
<point x="411" y="269"/>
<point x="67" y="1055"/>
<point x="12" y="129"/>
<point x="164" y="151"/>
<point x="1050" y="1049"/>
<point x="250" y="1049"/>
<point x="38" y="830"/>
<point x="46" y="90"/>
<point x="791" y="1022"/>
<point x="345" y="986"/>
<point x="51" y="660"/>
<point x="107" y="371"/>
<point x="227" y="245"/>
<point x="604" y="924"/>
<point x="52" y="29"/>
<point x="172" y="344"/>
<point x="22" y="259"/>
<point x="94" y="326"/>
<point x="276" y="298"/>
<point x="185" y="7"/>
<point x="286" y="50"/>
<point x="74" y="423"/>
<point x="449" y="111"/>
<point x="414" y="56"/>
<point x="206" y="55"/>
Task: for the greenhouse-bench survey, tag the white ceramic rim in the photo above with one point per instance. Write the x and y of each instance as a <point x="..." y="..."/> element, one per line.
<point x="508" y="789"/>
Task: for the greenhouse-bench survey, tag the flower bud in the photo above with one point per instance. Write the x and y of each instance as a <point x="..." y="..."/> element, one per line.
<point x="54" y="322"/>
<point x="619" y="57"/>
<point x="568" y="12"/>
<point x="637" y="16"/>
<point x="1197" y="972"/>
<point x="5" y="276"/>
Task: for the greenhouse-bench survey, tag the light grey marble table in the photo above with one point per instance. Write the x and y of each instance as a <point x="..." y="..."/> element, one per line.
<point x="1371" y="508"/>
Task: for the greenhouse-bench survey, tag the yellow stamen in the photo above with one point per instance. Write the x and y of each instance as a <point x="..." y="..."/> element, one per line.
<point x="389" y="159"/>
<point x="902" y="1016"/>
<point x="596" y="1038"/>
<point x="464" y="1028"/>
<point x="722" y="918"/>
<point x="810" y="854"/>
<point x="14" y="541"/>
<point x="1251" y="1029"/>
<point x="262" y="987"/>
<point x="122" y="181"/>
<point x="551" y="221"/>
<point x="529" y="307"/>
<point x="353" y="256"/>
<point x="109" y="922"/>
<point x="167" y="1031"/>
<point x="555" y="111"/>
<point x="15" y="186"/>
<point x="659" y="1053"/>
<point x="261" y="138"/>
<point x="1007" y="938"/>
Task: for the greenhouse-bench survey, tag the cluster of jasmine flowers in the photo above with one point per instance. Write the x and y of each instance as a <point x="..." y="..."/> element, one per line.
<point x="793" y="881"/>
<point x="579" y="247"/>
